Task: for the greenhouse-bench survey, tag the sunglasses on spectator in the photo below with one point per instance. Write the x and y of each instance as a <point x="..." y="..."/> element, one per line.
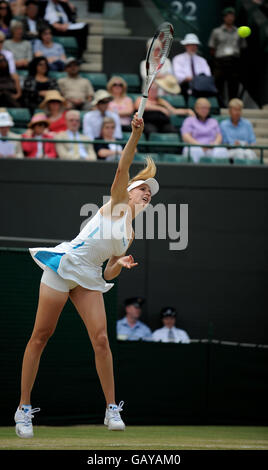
<point x="109" y="127"/>
<point x="104" y="101"/>
<point x="3" y="8"/>
<point x="118" y="84"/>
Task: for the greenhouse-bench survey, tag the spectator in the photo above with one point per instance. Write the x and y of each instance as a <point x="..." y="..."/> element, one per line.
<point x="54" y="105"/>
<point x="32" y="24"/>
<point x="169" y="333"/>
<point x="202" y="130"/>
<point x="158" y="111"/>
<point x="5" y="18"/>
<point x="188" y="65"/>
<point x="165" y="69"/>
<point x="61" y="16"/>
<point x="53" y="51"/>
<point x="20" y="48"/>
<point x="108" y="151"/>
<point x="77" y="90"/>
<point x="8" y="148"/>
<point x="37" y="83"/>
<point x="38" y="129"/>
<point x="169" y="85"/>
<point x="17" y="7"/>
<point x="121" y="103"/>
<point x="8" y="55"/>
<point x="130" y="327"/>
<point x="238" y="131"/>
<point x="93" y="119"/>
<point x="225" y="47"/>
<point x="10" y="91"/>
<point x="71" y="150"/>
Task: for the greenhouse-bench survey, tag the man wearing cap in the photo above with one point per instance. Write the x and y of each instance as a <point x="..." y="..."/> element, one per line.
<point x="77" y="90"/>
<point x="225" y="47"/>
<point x="12" y="148"/>
<point x="169" y="333"/>
<point x="130" y="327"/>
<point x="188" y="65"/>
<point x="93" y="119"/>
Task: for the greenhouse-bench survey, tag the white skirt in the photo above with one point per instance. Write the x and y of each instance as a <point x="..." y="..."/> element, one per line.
<point x="68" y="266"/>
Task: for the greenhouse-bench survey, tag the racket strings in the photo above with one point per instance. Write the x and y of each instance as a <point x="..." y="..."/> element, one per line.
<point x="160" y="48"/>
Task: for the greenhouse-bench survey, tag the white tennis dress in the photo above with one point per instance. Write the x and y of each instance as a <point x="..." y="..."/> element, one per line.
<point x="81" y="259"/>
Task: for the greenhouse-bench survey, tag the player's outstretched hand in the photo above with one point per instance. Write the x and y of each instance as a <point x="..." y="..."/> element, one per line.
<point x="137" y="124"/>
<point x="127" y="262"/>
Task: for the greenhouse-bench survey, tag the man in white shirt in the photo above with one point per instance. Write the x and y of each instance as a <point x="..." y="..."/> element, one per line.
<point x="169" y="333"/>
<point x="93" y="119"/>
<point x="188" y="65"/>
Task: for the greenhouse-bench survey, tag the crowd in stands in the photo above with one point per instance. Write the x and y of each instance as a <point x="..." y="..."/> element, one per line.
<point x="131" y="328"/>
<point x="66" y="107"/>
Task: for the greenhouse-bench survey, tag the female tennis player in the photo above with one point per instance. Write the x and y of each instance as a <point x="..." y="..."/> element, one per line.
<point x="73" y="269"/>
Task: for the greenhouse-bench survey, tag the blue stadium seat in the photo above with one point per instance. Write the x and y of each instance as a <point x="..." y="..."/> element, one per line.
<point x="20" y="116"/>
<point x="69" y="44"/>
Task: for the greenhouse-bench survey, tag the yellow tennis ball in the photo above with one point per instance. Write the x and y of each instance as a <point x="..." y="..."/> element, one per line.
<point x="244" y="31"/>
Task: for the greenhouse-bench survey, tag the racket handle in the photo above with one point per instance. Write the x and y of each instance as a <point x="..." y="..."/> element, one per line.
<point x="142" y="106"/>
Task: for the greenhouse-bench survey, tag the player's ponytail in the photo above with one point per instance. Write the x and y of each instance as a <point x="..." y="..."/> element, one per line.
<point x="148" y="172"/>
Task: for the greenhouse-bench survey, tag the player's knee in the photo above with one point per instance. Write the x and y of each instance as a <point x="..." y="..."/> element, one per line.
<point x="40" y="338"/>
<point x="101" y="344"/>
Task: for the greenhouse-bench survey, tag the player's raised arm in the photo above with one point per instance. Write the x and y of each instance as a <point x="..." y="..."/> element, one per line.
<point x="119" y="187"/>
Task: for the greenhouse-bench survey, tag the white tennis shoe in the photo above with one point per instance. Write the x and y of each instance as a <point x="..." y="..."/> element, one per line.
<point x="113" y="419"/>
<point x="23" y="419"/>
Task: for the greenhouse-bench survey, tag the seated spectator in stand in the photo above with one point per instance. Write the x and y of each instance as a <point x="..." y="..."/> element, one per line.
<point x="5" y="18"/>
<point x="20" y="48"/>
<point x="53" y="51"/>
<point x="169" y="333"/>
<point x="38" y="128"/>
<point x="166" y="69"/>
<point x="37" y="83"/>
<point x="108" y="151"/>
<point x="77" y="90"/>
<point x="158" y="111"/>
<point x="121" y="104"/>
<point x="202" y="130"/>
<point x="12" y="148"/>
<point x="10" y="91"/>
<point x="73" y="151"/>
<point x="31" y="22"/>
<point x="130" y="327"/>
<point x="54" y="106"/>
<point x="17" y="7"/>
<point x="61" y="17"/>
<point x="225" y="47"/>
<point x="188" y="65"/>
<point x="8" y="55"/>
<point x="238" y="131"/>
<point x="93" y="119"/>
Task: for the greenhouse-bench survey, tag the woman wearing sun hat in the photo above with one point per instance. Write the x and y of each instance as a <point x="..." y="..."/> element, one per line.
<point x="54" y="106"/>
<point x="38" y="129"/>
<point x="74" y="269"/>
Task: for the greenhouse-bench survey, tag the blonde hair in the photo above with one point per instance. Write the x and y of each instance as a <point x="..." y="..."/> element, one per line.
<point x="236" y="103"/>
<point x="148" y="172"/>
<point x="201" y="101"/>
<point x="116" y="79"/>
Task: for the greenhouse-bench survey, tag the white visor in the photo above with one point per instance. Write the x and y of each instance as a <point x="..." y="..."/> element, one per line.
<point x="152" y="183"/>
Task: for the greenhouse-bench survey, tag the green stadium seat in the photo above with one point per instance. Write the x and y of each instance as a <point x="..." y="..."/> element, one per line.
<point x="133" y="81"/>
<point x="19" y="130"/>
<point x="98" y="80"/>
<point x="215" y="161"/>
<point x="177" y="101"/>
<point x="169" y="138"/>
<point x="69" y="44"/>
<point x="20" y="116"/>
<point x="172" y="158"/>
<point x="134" y="96"/>
<point x="141" y="157"/>
<point x="219" y="117"/>
<point x="215" y="107"/>
<point x="22" y="73"/>
<point x="56" y="75"/>
<point x="177" y="121"/>
<point x="245" y="161"/>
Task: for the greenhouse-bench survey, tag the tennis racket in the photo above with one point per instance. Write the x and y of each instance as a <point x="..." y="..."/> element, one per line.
<point x="155" y="58"/>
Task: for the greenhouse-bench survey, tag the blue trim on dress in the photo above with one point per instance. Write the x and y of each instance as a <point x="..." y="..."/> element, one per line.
<point x="52" y="260"/>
